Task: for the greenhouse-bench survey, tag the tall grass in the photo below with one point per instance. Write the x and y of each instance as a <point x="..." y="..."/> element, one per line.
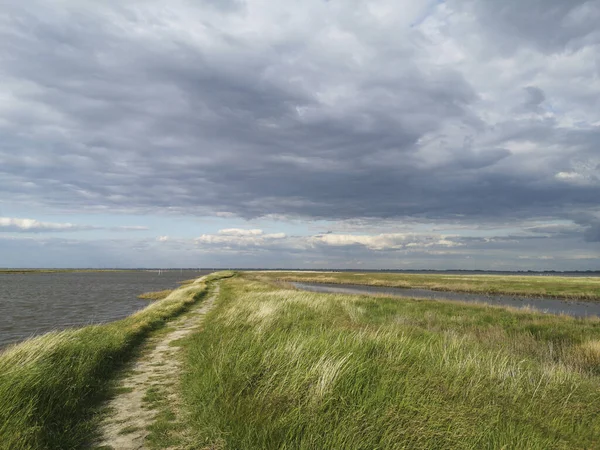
<point x="279" y="368"/>
<point x="51" y="385"/>
<point x="585" y="288"/>
<point x="155" y="295"/>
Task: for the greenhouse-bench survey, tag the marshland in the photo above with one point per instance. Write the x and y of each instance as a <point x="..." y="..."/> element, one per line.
<point x="272" y="366"/>
<point x="424" y="176"/>
<point x="567" y="287"/>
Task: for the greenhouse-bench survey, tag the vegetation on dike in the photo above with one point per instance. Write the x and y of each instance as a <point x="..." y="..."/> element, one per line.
<point x="280" y="368"/>
<point x="585" y="288"/>
<point x="186" y="282"/>
<point x="51" y="385"/>
<point x="157" y="295"/>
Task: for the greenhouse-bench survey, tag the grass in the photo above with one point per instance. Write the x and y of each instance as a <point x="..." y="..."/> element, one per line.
<point x="153" y="397"/>
<point x="165" y="429"/>
<point x="129" y="429"/>
<point x="584" y="288"/>
<point x="186" y="282"/>
<point x="280" y="368"/>
<point x="157" y="295"/>
<point x="50" y="386"/>
<point x="168" y="430"/>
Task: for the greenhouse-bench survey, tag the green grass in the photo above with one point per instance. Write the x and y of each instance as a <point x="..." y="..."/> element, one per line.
<point x="586" y="288"/>
<point x="50" y="386"/>
<point x="156" y="295"/>
<point x="186" y="282"/>
<point x="165" y="430"/>
<point x="280" y="368"/>
<point x="129" y="429"/>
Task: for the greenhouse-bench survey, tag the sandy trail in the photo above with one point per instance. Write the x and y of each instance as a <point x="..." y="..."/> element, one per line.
<point x="125" y="428"/>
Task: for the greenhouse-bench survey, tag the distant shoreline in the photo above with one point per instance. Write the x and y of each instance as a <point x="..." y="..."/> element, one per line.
<point x="417" y="271"/>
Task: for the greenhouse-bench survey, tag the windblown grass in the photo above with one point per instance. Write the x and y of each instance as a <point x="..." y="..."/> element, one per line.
<point x="51" y="385"/>
<point x="585" y="288"/>
<point x="279" y="368"/>
<point x="186" y="282"/>
<point x="157" y="295"/>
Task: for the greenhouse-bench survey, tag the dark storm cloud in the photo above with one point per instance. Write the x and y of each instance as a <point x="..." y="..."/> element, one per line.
<point x="592" y="234"/>
<point x="534" y="98"/>
<point x="206" y="107"/>
<point x="591" y="225"/>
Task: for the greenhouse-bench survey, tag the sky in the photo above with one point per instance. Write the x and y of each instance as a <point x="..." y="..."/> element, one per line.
<point x="373" y="134"/>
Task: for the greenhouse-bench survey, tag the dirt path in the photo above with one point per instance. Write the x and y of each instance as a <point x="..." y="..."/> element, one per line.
<point x="125" y="427"/>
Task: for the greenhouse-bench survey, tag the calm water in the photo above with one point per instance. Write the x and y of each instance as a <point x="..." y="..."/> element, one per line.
<point x="35" y="303"/>
<point x="548" y="305"/>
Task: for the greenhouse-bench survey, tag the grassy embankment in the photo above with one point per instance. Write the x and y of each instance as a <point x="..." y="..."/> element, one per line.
<point x="159" y="295"/>
<point x="155" y="295"/>
<point x="51" y="385"/>
<point x="584" y="288"/>
<point x="281" y="368"/>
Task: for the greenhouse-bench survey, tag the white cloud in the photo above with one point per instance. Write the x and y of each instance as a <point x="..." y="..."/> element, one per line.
<point x="14" y="224"/>
<point x="32" y="225"/>
<point x="240" y="238"/>
<point x="579" y="178"/>
<point x="275" y="236"/>
<point x="387" y="241"/>
<point x="240" y="232"/>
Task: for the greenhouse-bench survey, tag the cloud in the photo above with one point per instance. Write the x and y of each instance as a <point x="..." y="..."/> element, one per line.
<point x="548" y="26"/>
<point x="534" y="98"/>
<point x="34" y="226"/>
<point x="463" y="111"/>
<point x="243" y="239"/>
<point x="369" y="250"/>
<point x="240" y="238"/>
<point x="12" y="224"/>
<point x="239" y="232"/>
<point x="393" y="241"/>
<point x="554" y="229"/>
<point x="592" y="230"/>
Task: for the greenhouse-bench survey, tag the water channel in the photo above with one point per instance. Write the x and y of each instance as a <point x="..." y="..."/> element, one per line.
<point x="542" y="304"/>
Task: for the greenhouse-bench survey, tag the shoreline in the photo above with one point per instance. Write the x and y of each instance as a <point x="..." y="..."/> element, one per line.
<point x="52" y="385"/>
<point x="529" y="287"/>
